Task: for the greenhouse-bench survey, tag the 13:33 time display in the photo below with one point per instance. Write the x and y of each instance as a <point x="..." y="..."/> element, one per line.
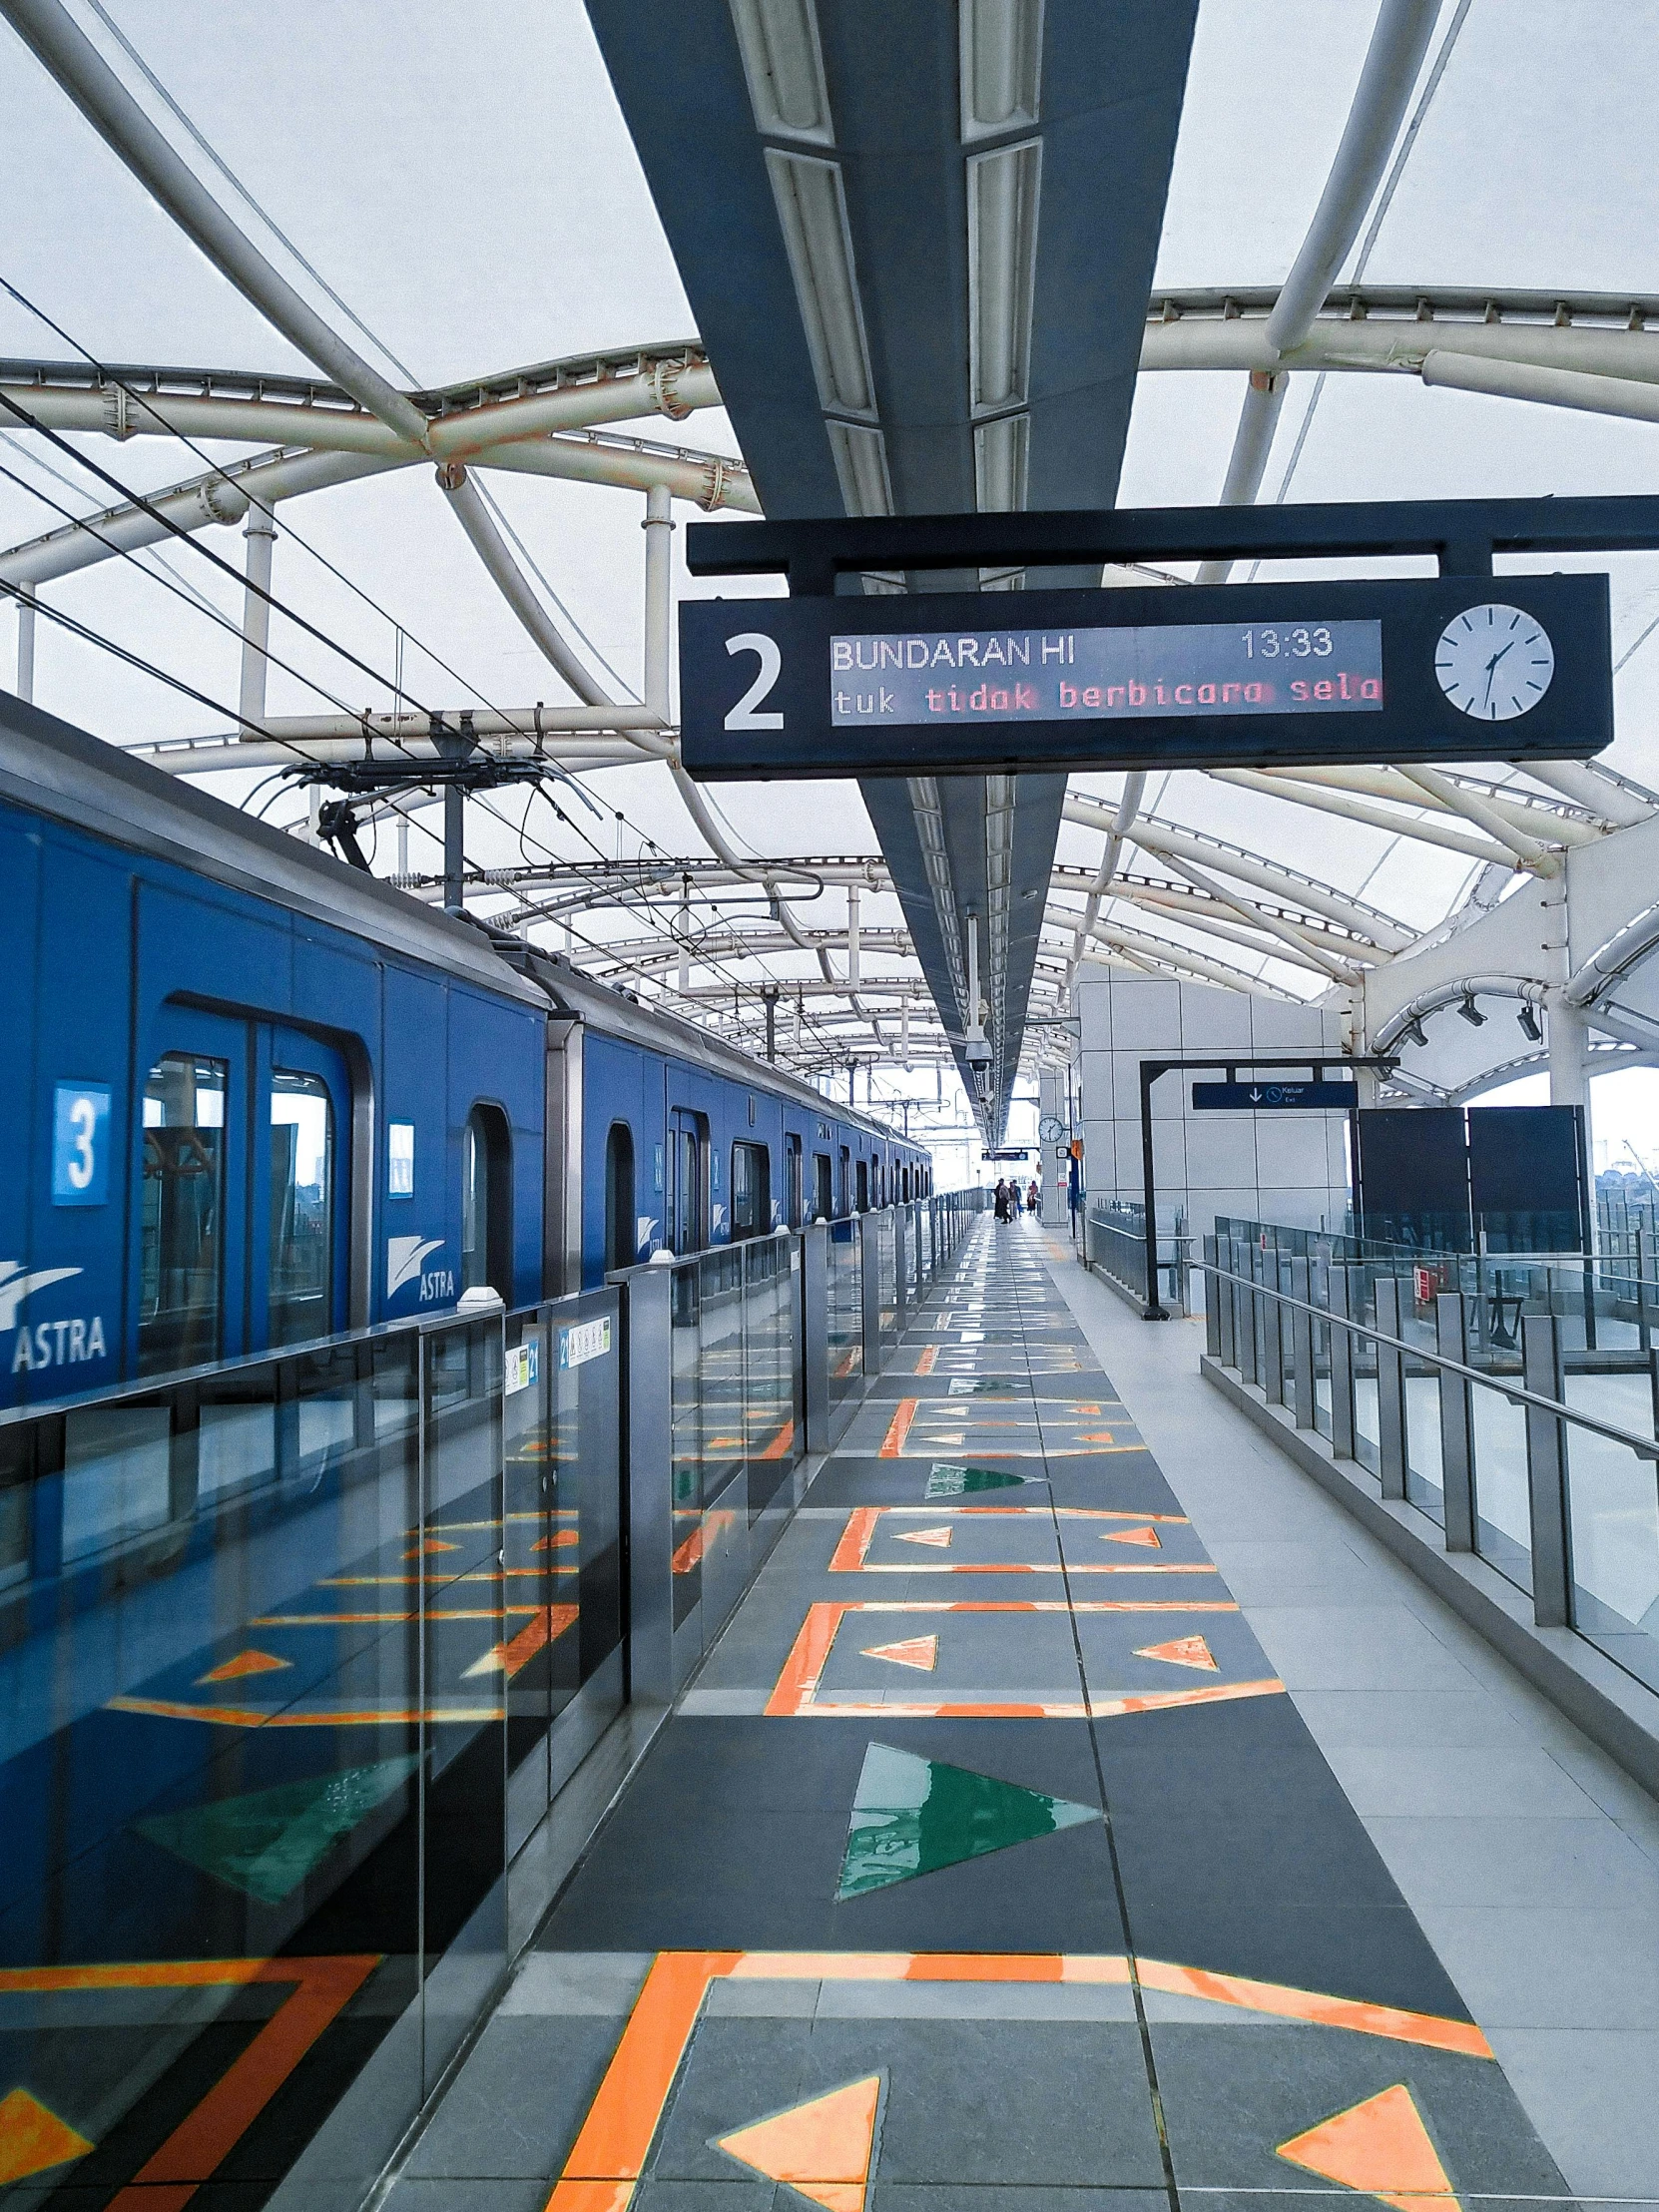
<point x="1296" y="644"/>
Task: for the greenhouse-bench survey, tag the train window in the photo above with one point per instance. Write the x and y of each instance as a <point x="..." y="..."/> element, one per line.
<point x="621" y="1223"/>
<point x="487" y="1203"/>
<point x="751" y="1189"/>
<point x="823" y="1190"/>
<point x="400" y="1159"/>
<point x="302" y="1208"/>
<point x="904" y="1174"/>
<point x="795" y="1182"/>
<point x="688" y="1208"/>
<point x="181" y="1294"/>
<point x="864" y="1185"/>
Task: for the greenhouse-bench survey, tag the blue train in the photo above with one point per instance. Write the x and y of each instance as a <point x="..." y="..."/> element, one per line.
<point x="256" y="1097"/>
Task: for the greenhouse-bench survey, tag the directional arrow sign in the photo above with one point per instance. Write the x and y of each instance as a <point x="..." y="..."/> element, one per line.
<point x="1269" y="1098"/>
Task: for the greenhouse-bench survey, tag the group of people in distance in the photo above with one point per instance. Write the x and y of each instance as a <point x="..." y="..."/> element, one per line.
<point x="1010" y="1200"/>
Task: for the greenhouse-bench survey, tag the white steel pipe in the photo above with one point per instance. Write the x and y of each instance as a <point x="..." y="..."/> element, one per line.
<point x="1542" y="387"/>
<point x="1397" y="45"/>
<point x="1251" y="443"/>
<point x="1386" y="344"/>
<point x="658" y="527"/>
<point x="26" y="645"/>
<point x="1339" y="970"/>
<point x="1532" y="853"/>
<point x="260" y="534"/>
<point x="1375" y="817"/>
<point x="116" y="116"/>
<point x="460" y="436"/>
<point x="1139" y="945"/>
<point x="1600" y="795"/>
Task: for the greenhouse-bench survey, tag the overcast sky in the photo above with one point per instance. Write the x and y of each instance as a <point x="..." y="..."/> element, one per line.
<point x="461" y="174"/>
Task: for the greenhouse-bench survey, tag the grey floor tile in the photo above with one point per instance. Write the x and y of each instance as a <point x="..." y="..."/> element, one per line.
<point x="491" y="2193"/>
<point x="1587" y="1864"/>
<point x="494" y="2123"/>
<point x="1541" y="1968"/>
<point x="1355" y="1648"/>
<point x="1424" y="1719"/>
<point x="1478" y="1782"/>
<point x="1590" y="2095"/>
<point x="571" y="1982"/>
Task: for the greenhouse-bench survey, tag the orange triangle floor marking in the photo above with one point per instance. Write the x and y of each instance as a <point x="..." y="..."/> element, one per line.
<point x="1183" y="1651"/>
<point x="559" y="1541"/>
<point x="938" y="1538"/>
<point x="821" y="2148"/>
<point x="433" y="1544"/>
<point x="915" y="1651"/>
<point x="1147" y="1537"/>
<point x="245" y="1663"/>
<point x="32" y="2137"/>
<point x="1381" y="2146"/>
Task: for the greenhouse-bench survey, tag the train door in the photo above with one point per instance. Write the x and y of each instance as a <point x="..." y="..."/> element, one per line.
<point x="300" y="1274"/>
<point x="621" y="1221"/>
<point x="688" y="1193"/>
<point x="864" y="1185"/>
<point x="487" y="1202"/>
<point x="193" y="1181"/>
<point x="751" y="1190"/>
<point x="242" y="1232"/>
<point x="795" y="1182"/>
<point x="824" y="1187"/>
<point x="844" y="1177"/>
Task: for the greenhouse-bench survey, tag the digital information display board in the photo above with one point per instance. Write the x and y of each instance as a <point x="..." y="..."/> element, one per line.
<point x="1438" y="669"/>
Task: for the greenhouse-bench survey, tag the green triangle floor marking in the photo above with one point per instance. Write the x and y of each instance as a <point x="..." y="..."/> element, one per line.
<point x="912" y="1815"/>
<point x="265" y="1844"/>
<point x="949" y="1481"/>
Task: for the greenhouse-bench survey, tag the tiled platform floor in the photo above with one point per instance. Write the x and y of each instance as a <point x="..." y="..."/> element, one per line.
<point x="991" y="1861"/>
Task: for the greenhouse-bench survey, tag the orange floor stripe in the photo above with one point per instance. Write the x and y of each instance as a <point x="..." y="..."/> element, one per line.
<point x="1426" y="2028"/>
<point x="899" y="1428"/>
<point x="609" y="2154"/>
<point x="861" y="1526"/>
<point x="927" y="1358"/>
<point x="237" y="1716"/>
<point x="782" y="1444"/>
<point x="616" y="2135"/>
<point x="206" y="2136"/>
<point x="511" y="1657"/>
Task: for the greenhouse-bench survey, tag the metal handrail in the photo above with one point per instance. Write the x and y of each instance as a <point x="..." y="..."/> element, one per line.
<point x="1646" y="1447"/>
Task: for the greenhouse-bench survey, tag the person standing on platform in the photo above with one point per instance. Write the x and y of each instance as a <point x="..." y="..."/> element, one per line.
<point x="1034" y="1198"/>
<point x="1001" y="1197"/>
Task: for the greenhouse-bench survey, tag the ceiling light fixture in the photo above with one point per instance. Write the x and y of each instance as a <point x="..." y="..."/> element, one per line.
<point x="1531" y="1024"/>
<point x="784" y="64"/>
<point x="812" y="211"/>
<point x="1413" y="1031"/>
<point x="1470" y="1012"/>
<point x="1001" y="66"/>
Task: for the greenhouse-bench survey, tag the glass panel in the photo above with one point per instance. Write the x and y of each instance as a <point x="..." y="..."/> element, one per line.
<point x="686" y="1414"/>
<point x="1367" y="1448"/>
<point x="770" y="1287"/>
<point x="180" y="1322"/>
<point x="845" y="1303"/>
<point x="725" y="1522"/>
<point x="455" y="1565"/>
<point x="118" y="1476"/>
<point x="1424" y="1476"/>
<point x="302" y="1208"/>
<point x="1503" y="1513"/>
<point x="1613" y="1513"/>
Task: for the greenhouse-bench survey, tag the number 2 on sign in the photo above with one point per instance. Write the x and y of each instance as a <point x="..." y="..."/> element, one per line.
<point x="743" y="716"/>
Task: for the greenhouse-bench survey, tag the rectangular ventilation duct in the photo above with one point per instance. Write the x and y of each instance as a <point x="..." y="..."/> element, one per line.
<point x="812" y="210"/>
<point x="862" y="465"/>
<point x="1001" y="66"/>
<point x="1003" y="190"/>
<point x="784" y="64"/>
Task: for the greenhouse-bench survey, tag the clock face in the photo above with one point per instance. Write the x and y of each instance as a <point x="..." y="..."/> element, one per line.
<point x="1052" y="1129"/>
<point x="1494" y="662"/>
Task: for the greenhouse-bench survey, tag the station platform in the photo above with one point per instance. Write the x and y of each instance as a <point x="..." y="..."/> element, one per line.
<point x="1079" y="1811"/>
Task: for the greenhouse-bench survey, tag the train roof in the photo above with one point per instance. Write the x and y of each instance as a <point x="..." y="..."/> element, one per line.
<point x="53" y="767"/>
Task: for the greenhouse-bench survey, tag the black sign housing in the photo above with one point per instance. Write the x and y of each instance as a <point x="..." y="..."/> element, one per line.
<point x="1227" y="676"/>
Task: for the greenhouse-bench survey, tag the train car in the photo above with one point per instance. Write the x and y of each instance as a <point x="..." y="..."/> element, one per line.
<point x="256" y="1097"/>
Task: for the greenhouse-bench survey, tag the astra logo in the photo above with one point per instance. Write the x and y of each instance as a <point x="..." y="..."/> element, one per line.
<point x="49" y="1344"/>
<point x="15" y="1287"/>
<point x="404" y="1255"/>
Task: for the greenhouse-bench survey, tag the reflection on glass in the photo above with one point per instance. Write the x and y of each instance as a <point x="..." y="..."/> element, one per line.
<point x="302" y="1208"/>
<point x="181" y="1319"/>
<point x="1502" y="1508"/>
<point x="1424" y="1475"/>
<point x="1613" y="1507"/>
